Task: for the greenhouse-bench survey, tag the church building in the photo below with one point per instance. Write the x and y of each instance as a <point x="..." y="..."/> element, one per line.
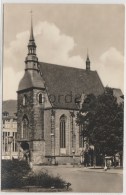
<point x="48" y="99"/>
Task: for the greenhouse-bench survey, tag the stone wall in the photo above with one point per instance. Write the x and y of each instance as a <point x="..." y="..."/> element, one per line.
<point x="64" y="160"/>
<point x="25" y="110"/>
<point x="44" y="128"/>
<point x="38" y="152"/>
<point x="38" y="116"/>
<point x="35" y="114"/>
<point x="72" y="134"/>
<point x="47" y="129"/>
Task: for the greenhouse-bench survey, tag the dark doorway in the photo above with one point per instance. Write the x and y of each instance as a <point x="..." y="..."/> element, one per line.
<point x="25" y="146"/>
<point x="26" y="154"/>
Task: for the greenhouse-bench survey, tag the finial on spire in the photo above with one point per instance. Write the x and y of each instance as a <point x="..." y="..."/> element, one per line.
<point x="87" y="61"/>
<point x="31" y="34"/>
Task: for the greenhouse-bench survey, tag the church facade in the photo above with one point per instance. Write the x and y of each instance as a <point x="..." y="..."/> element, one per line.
<point x="48" y="99"/>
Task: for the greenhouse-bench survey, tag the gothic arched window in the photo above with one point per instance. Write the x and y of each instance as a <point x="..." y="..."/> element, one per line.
<point x="25" y="124"/>
<point x="63" y="131"/>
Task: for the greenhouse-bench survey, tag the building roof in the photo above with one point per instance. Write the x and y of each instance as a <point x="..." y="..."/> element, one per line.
<point x="31" y="79"/>
<point x="65" y="84"/>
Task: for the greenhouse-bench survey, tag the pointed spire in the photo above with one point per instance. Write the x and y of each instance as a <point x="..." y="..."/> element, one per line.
<point x="31" y="35"/>
<point x="87" y="55"/>
<point x="87" y="62"/>
<point x="31" y="44"/>
<point x="31" y="56"/>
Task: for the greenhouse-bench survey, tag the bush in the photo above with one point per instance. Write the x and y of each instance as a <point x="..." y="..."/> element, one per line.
<point x="16" y="174"/>
<point x="15" y="165"/>
<point x="45" y="180"/>
<point x="12" y="173"/>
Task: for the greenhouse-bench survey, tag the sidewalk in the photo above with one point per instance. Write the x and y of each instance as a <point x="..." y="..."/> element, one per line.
<point x="101" y="170"/>
<point x="82" y="168"/>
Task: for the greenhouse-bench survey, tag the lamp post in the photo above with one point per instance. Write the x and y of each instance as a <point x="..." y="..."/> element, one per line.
<point x="73" y="157"/>
<point x="10" y="140"/>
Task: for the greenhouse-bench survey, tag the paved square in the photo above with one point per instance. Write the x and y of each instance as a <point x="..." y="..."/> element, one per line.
<point x="87" y="180"/>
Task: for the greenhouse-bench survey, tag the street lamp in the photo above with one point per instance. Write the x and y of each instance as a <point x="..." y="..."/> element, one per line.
<point x="10" y="140"/>
<point x="73" y="157"/>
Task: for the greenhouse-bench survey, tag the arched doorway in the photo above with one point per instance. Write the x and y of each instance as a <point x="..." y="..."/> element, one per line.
<point x="25" y="150"/>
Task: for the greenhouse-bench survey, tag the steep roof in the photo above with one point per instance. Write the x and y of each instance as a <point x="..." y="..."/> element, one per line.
<point x="31" y="79"/>
<point x="63" y="83"/>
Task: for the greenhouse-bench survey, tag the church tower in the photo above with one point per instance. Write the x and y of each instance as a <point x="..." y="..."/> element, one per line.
<point x="30" y="106"/>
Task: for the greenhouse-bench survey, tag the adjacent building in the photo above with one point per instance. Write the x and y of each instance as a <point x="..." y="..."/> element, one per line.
<point x="9" y="136"/>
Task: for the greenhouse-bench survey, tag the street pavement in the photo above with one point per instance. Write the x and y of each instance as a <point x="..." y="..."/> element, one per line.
<point x="87" y="179"/>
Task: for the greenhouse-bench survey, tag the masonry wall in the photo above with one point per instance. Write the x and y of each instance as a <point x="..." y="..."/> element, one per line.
<point x="35" y="114"/>
<point x="38" y="128"/>
<point x="47" y="129"/>
<point x="44" y="130"/>
<point x="28" y="110"/>
<point x="72" y="134"/>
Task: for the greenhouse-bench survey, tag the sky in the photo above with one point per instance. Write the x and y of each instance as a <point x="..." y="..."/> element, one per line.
<point x="63" y="34"/>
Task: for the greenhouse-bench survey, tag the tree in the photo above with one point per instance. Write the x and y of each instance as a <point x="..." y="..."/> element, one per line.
<point x="102" y="118"/>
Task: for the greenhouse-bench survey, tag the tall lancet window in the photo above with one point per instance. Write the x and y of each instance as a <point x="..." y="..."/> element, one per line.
<point x="41" y="98"/>
<point x="24" y="100"/>
<point x="25" y="125"/>
<point x="63" y="131"/>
